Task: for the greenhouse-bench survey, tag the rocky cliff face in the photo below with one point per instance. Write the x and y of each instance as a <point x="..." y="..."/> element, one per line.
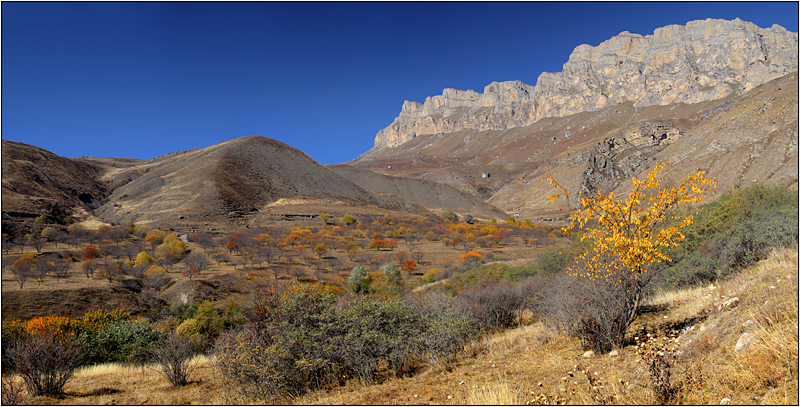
<point x="701" y="61"/>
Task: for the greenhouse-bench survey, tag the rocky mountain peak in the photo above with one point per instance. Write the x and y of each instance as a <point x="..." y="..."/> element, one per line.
<point x="700" y="61"/>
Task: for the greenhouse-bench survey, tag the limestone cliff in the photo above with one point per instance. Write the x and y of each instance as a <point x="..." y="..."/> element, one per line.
<point x="701" y="61"/>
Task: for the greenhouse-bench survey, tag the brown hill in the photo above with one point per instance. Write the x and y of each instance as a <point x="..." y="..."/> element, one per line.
<point x="37" y="183"/>
<point x="434" y="196"/>
<point x="744" y="137"/>
<point x="241" y="181"/>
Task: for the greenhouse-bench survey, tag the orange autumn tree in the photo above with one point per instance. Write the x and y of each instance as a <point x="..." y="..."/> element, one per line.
<point x="628" y="233"/>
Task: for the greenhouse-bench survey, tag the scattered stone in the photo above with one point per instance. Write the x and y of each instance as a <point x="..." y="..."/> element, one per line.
<point x="745" y="341"/>
<point x="725" y="401"/>
<point x="589" y="354"/>
<point x="613" y="353"/>
<point x="747" y="323"/>
<point x="732" y="303"/>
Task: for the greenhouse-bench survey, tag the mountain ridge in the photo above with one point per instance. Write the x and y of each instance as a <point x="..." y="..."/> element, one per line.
<point x="701" y="61"/>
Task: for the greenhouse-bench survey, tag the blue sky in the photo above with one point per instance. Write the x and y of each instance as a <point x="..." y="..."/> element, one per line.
<point x="143" y="79"/>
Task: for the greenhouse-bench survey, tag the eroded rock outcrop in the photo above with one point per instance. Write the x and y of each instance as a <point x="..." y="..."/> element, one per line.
<point x="701" y="61"/>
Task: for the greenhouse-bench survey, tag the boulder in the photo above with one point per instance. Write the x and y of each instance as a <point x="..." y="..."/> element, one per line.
<point x="745" y="342"/>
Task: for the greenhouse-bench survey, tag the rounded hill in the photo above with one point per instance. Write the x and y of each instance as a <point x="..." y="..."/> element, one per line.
<point x="235" y="181"/>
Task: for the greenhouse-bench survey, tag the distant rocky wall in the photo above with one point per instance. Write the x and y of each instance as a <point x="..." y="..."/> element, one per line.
<point x="703" y="60"/>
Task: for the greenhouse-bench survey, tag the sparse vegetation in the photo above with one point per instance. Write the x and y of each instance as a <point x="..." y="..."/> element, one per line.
<point x="464" y="310"/>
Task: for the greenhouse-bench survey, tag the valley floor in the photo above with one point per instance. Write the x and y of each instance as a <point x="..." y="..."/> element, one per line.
<point x="534" y="365"/>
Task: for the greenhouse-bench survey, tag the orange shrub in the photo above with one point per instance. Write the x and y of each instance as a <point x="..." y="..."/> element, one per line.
<point x="61" y="326"/>
<point x="470" y="258"/>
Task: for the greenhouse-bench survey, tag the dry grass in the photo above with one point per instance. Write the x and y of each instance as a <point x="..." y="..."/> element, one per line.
<point x="118" y="384"/>
<point x="532" y="364"/>
<point x="497" y="393"/>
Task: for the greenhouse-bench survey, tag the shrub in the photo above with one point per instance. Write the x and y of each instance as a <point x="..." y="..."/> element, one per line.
<point x="444" y="327"/>
<point x="359" y="279"/>
<point x="392" y="274"/>
<point x="471" y="258"/>
<point x="493" y="305"/>
<point x="90" y="252"/>
<point x="121" y="341"/>
<point x="45" y="361"/>
<point x="143" y="258"/>
<point x="249" y="365"/>
<point x="588" y="310"/>
<point x="304" y="337"/>
<point x="94" y="321"/>
<point x="174" y="354"/>
<point x="450" y="215"/>
<point x="734" y="232"/>
<point x="374" y="332"/>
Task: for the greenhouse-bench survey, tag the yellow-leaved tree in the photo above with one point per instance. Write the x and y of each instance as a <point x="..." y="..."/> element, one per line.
<point x="627" y="233"/>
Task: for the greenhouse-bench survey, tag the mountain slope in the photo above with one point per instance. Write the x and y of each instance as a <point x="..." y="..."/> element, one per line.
<point x="434" y="196"/>
<point x="751" y="137"/>
<point x="37" y="183"/>
<point x="715" y="95"/>
<point x="236" y="182"/>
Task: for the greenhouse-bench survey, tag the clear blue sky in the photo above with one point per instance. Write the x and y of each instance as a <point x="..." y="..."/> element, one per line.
<point x="143" y="79"/>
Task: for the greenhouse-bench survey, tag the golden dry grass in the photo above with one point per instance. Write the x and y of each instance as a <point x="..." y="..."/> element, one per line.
<point x="117" y="384"/>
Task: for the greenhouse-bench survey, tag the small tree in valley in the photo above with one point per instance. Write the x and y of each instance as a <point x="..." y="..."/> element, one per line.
<point x="197" y="261"/>
<point x="629" y="235"/>
<point x="359" y="279"/>
<point x="89" y="266"/>
<point x="24" y="268"/>
<point x="392" y="274"/>
<point x="90" y="253"/>
<point x="191" y="273"/>
<point x="320" y="250"/>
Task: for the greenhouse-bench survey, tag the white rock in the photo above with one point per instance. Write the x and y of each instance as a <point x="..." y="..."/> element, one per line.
<point x="588" y="354"/>
<point x="730" y="303"/>
<point x="745" y="341"/>
<point x="613" y="353"/>
<point x="725" y="401"/>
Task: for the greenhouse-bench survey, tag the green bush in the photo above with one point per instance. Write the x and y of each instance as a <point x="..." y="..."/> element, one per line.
<point x="120" y="341"/>
<point x="306" y="337"/>
<point x="736" y="231"/>
<point x="359" y="279"/>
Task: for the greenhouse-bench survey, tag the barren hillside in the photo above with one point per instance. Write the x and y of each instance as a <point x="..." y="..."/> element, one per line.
<point x="434" y="196"/>
<point x="744" y="137"/>
<point x="37" y="183"/>
<point x="238" y="181"/>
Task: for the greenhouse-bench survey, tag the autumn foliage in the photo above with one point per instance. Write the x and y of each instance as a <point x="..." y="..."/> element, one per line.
<point x="471" y="257"/>
<point x="634" y="232"/>
<point x="629" y="233"/>
<point x="90" y="252"/>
